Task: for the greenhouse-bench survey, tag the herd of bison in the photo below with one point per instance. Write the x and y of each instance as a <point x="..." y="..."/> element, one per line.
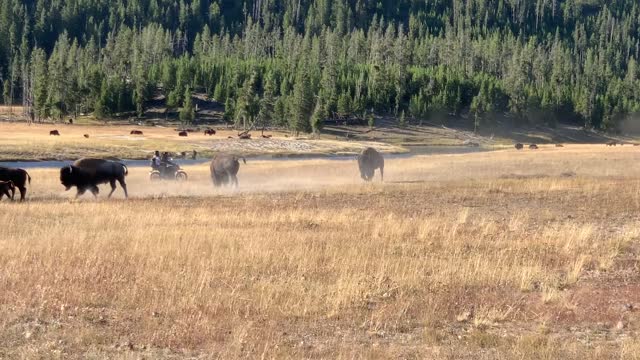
<point x="87" y="173"/>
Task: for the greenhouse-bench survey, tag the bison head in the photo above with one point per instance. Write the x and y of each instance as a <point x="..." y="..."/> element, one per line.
<point x="67" y="177"/>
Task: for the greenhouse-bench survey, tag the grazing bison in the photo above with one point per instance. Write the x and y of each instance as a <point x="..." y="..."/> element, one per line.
<point x="519" y="146"/>
<point x="86" y="174"/>
<point x="224" y="169"/>
<point x="210" y="132"/>
<point x="368" y="161"/>
<point x="183" y="133"/>
<point x="559" y="145"/>
<point x="612" y="143"/>
<point x="54" y="133"/>
<point x="86" y="136"/>
<point x="136" y="132"/>
<point x="7" y="188"/>
<point x="267" y="136"/>
<point x="533" y="147"/>
<point x="244" y="136"/>
<point x="18" y="177"/>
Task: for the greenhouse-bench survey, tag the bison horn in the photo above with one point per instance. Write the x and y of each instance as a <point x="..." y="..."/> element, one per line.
<point x="70" y="169"/>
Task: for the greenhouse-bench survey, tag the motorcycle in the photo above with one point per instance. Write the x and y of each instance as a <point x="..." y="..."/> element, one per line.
<point x="169" y="172"/>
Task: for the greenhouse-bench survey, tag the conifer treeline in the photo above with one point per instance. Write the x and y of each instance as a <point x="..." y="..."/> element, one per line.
<point x="295" y="62"/>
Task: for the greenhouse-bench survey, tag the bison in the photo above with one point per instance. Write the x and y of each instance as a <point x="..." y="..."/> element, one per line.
<point x="533" y="147"/>
<point x="210" y="132"/>
<point x="224" y="169"/>
<point x="267" y="136"/>
<point x="183" y="133"/>
<point x="87" y="173"/>
<point x="244" y="136"/>
<point x="19" y="178"/>
<point x="519" y="146"/>
<point x="559" y="145"/>
<point x="368" y="161"/>
<point x="7" y="188"/>
<point x="136" y="132"/>
<point x="54" y="133"/>
<point x="86" y="136"/>
<point x="612" y="143"/>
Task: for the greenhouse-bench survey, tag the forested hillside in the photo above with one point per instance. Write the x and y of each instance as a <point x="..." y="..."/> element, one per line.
<point x="295" y="62"/>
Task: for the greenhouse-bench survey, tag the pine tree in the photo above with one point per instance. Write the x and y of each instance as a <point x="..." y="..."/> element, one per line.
<point x="267" y="105"/>
<point x="187" y="113"/>
<point x="301" y="104"/>
<point x="319" y="116"/>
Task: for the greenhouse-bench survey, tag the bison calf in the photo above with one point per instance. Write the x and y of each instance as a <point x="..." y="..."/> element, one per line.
<point x="7" y="188"/>
<point x="18" y="178"/>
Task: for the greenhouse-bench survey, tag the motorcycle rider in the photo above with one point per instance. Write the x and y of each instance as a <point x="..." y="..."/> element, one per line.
<point x="155" y="161"/>
<point x="166" y="163"/>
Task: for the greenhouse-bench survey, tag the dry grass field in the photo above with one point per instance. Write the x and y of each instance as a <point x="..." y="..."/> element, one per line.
<point x="19" y="141"/>
<point x="501" y="255"/>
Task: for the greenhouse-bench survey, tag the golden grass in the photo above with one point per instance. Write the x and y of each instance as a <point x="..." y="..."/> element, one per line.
<point x="494" y="255"/>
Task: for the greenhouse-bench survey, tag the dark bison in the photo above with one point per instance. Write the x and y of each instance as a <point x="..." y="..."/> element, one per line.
<point x="210" y="132"/>
<point x="18" y="177"/>
<point x="86" y="136"/>
<point x="54" y="133"/>
<point x="533" y="147"/>
<point x="612" y="143"/>
<point x="559" y="145"/>
<point x="183" y="133"/>
<point x="224" y="169"/>
<point x="267" y="136"/>
<point x="86" y="174"/>
<point x="519" y="146"/>
<point x="368" y="161"/>
<point x="7" y="188"/>
<point x="244" y="136"/>
<point x="136" y="132"/>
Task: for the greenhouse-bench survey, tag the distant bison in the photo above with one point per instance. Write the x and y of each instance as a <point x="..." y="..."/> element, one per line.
<point x="519" y="146"/>
<point x="368" y="161"/>
<point x="54" y="133"/>
<point x="267" y="136"/>
<point x="559" y="145"/>
<point x="183" y="133"/>
<point x="244" y="136"/>
<point x="210" y="132"/>
<point x="224" y="169"/>
<point x="18" y="177"/>
<point x="86" y="136"/>
<point x="533" y="147"/>
<point x="7" y="188"/>
<point x="136" y="132"/>
<point x="612" y="143"/>
<point x="86" y="174"/>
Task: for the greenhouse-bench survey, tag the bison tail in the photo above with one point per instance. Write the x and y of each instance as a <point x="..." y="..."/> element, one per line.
<point x="28" y="177"/>
<point x="244" y="160"/>
<point x="126" y="169"/>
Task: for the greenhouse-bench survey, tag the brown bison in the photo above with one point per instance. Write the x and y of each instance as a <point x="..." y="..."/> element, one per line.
<point x="244" y="136"/>
<point x="267" y="136"/>
<point x="136" y="132"/>
<point x="559" y="145"/>
<point x="54" y="133"/>
<point x="533" y="147"/>
<point x="7" y="188"/>
<point x="18" y="177"/>
<point x="183" y="133"/>
<point x="210" y="132"/>
<point x="86" y="136"/>
<point x="86" y="174"/>
<point x="519" y="146"/>
<point x="224" y="169"/>
<point x="612" y="143"/>
<point x="368" y="161"/>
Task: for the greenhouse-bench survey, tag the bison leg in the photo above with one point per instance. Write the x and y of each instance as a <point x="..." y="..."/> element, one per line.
<point x="234" y="180"/>
<point x="80" y="192"/>
<point x="95" y="191"/>
<point x="113" y="187"/>
<point x="23" y="193"/>
<point x="124" y="187"/>
<point x="381" y="173"/>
